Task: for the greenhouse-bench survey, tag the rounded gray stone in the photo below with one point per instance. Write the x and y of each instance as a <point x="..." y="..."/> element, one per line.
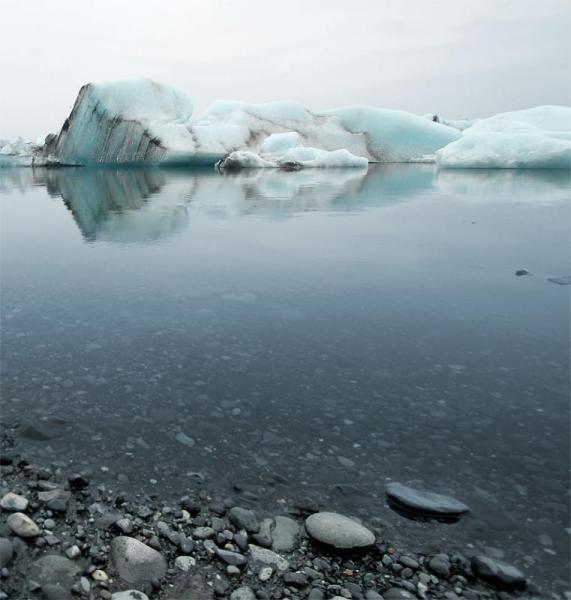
<point x="129" y="595"/>
<point x="338" y="531"/>
<point x="55" y="572"/>
<point x="136" y="562"/>
<point x="243" y="593"/>
<point x="285" y="534"/>
<point x="22" y="525"/>
<point x="398" y="594"/>
<point x="243" y="518"/>
<point x="14" y="502"/>
<point x="264" y="556"/>
<point x="424" y="502"/>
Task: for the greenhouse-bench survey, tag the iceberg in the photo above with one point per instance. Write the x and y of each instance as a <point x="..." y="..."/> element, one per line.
<point x="144" y="122"/>
<point x="127" y="122"/>
<point x="141" y="122"/>
<point x="20" y="153"/>
<point x="535" y="138"/>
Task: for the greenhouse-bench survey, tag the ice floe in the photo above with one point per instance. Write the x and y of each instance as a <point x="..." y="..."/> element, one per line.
<point x="535" y="138"/>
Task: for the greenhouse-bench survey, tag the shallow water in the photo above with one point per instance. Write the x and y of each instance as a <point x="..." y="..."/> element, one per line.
<point x="316" y="333"/>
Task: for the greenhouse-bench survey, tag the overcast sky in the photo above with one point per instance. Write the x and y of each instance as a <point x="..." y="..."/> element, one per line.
<point x="455" y="57"/>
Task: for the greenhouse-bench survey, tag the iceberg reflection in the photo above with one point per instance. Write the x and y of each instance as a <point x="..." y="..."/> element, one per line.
<point x="122" y="206"/>
<point x="143" y="205"/>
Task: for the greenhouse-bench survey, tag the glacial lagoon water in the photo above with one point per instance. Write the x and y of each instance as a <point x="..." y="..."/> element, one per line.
<point x="319" y="333"/>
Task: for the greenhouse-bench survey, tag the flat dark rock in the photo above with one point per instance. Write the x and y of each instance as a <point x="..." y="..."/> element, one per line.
<point x="498" y="573"/>
<point x="427" y="503"/>
<point x="43" y="430"/>
<point x="56" y="574"/>
<point x="190" y="587"/>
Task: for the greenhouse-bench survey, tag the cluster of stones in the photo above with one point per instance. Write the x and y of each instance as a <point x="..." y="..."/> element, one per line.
<point x="68" y="539"/>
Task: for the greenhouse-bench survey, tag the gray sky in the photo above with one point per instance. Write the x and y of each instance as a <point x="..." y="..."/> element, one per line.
<point x="455" y="57"/>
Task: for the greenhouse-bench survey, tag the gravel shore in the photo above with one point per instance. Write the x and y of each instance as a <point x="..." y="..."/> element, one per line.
<point x="66" y="535"/>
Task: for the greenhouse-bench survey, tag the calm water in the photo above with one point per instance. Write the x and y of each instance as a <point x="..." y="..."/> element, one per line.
<point x="317" y="333"/>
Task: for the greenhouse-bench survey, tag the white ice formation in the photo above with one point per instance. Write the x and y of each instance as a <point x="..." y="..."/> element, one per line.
<point x="535" y="138"/>
<point x="286" y="151"/>
<point x="21" y="154"/>
<point x="143" y="122"/>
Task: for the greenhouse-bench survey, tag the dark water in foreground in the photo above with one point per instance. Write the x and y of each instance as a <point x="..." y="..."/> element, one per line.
<point x="317" y="333"/>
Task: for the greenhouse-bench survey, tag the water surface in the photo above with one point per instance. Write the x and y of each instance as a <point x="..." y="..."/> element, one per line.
<point x="318" y="333"/>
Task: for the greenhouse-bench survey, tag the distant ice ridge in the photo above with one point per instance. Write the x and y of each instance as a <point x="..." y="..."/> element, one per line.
<point x="22" y="154"/>
<point x="143" y="122"/>
<point x="535" y="138"/>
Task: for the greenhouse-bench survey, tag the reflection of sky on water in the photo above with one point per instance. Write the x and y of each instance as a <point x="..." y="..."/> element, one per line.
<point x="285" y="320"/>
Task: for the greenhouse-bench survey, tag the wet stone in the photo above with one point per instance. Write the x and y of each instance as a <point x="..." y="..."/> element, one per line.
<point x="43" y="430"/>
<point x="136" y="562"/>
<point x="242" y="518"/>
<point x="184" y="563"/>
<point x="185" y="440"/>
<point x="231" y="558"/>
<point x="55" y="573"/>
<point x="295" y="579"/>
<point x="78" y="482"/>
<point x="241" y="539"/>
<point x="22" y="525"/>
<point x="203" y="533"/>
<point x="398" y="594"/>
<point x="14" y="502"/>
<point x="439" y="564"/>
<point x="285" y="534"/>
<point x="267" y="557"/>
<point x="407" y="561"/>
<point x="499" y="573"/>
<point x="338" y="531"/>
<point x="125" y="525"/>
<point x="129" y="595"/>
<point x="424" y="502"/>
<point x="56" y="500"/>
<point x="243" y="593"/>
<point x="6" y="551"/>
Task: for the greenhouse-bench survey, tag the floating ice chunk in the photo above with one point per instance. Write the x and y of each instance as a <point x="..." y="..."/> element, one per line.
<point x="244" y="159"/>
<point x="293" y="158"/>
<point x="481" y="150"/>
<point x="313" y="157"/>
<point x="536" y="138"/>
<point x="127" y="122"/>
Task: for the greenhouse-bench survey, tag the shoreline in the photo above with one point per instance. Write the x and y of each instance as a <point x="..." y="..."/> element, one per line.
<point x="202" y="548"/>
